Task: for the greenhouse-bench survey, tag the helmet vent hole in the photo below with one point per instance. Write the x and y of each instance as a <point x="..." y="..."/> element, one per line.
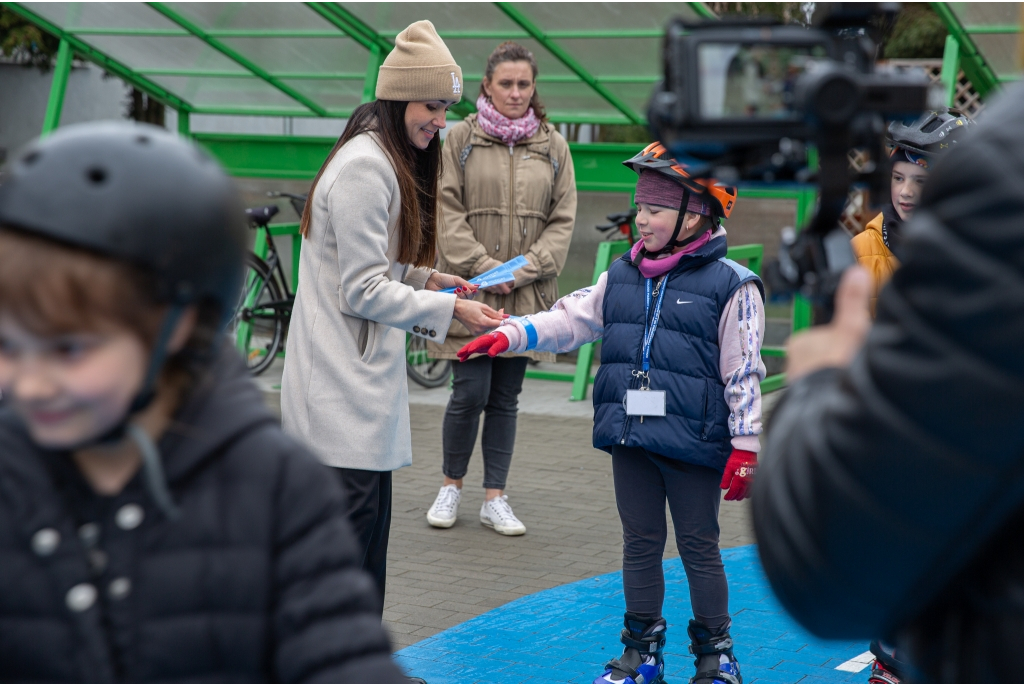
<point x="96" y="176"/>
<point x="31" y="158"/>
<point x="142" y="140"/>
<point x="932" y="125"/>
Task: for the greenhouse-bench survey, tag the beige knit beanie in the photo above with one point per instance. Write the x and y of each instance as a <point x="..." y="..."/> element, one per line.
<point x="420" y="68"/>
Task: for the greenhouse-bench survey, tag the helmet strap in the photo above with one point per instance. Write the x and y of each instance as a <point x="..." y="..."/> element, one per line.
<point x="673" y="242"/>
<point x="147" y="391"/>
<point x="156" y="360"/>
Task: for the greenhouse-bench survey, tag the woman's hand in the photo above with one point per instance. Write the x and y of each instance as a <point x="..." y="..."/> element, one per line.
<point x="502" y="288"/>
<point x="439" y="281"/>
<point x="478" y="317"/>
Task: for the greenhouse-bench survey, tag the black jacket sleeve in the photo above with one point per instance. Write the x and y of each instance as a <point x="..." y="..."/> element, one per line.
<point x="327" y="626"/>
<point x="881" y="481"/>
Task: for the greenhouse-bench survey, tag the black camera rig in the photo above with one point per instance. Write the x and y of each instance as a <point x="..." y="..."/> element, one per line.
<point x="744" y="100"/>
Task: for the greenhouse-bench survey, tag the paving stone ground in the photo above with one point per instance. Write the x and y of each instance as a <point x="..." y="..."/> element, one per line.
<point x="559" y="486"/>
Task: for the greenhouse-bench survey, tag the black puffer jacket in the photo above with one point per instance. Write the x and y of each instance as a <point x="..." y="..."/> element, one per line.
<point x="889" y="498"/>
<point x="258" y="580"/>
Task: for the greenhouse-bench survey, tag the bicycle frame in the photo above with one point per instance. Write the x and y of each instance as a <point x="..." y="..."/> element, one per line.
<point x="273" y="262"/>
<point x="282" y="308"/>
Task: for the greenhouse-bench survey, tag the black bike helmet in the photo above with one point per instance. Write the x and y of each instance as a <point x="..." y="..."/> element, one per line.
<point x="137" y="193"/>
<point x="932" y="134"/>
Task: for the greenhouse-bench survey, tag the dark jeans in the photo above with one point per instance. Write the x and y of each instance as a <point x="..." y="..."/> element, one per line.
<point x="368" y="507"/>
<point x="643" y="481"/>
<point x="492" y="386"/>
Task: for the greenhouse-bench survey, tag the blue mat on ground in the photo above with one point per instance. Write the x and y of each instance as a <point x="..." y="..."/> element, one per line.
<point x="566" y="634"/>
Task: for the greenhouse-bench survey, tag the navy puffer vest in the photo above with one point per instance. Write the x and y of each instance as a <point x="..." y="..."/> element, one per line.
<point x="685" y="358"/>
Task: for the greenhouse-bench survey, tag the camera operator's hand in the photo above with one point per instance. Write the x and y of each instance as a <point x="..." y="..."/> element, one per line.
<point x="739" y="474"/>
<point x="835" y="344"/>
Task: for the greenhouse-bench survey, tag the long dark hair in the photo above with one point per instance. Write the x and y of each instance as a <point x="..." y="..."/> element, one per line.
<point x="418" y="172"/>
<point x="510" y="51"/>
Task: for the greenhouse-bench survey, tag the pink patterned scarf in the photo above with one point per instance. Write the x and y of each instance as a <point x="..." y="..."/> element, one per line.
<point x="508" y="131"/>
<point x="652" y="268"/>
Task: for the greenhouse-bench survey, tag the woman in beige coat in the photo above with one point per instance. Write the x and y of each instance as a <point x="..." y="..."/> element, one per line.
<point x="365" y="281"/>
<point x="508" y="189"/>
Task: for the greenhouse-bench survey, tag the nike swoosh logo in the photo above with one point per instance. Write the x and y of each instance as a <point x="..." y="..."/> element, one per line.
<point x="684" y="301"/>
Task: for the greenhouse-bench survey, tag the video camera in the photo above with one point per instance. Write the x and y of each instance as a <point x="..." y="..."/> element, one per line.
<point x="742" y="101"/>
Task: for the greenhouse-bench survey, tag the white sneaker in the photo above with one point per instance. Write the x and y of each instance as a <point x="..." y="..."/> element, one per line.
<point x="497" y="514"/>
<point x="445" y="509"/>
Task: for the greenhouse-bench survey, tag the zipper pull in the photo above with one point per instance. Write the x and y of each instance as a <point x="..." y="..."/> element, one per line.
<point x="510" y="152"/>
<point x="497" y="247"/>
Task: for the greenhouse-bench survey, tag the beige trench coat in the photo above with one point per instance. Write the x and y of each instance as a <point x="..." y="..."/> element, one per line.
<point x="498" y="205"/>
<point x="344" y="391"/>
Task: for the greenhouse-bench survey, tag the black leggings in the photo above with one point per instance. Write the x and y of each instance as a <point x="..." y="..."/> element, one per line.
<point x="643" y="481"/>
<point x="492" y="386"/>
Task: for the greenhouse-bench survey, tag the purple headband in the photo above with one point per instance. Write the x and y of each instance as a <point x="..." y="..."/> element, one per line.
<point x="901" y="154"/>
<point x="656" y="189"/>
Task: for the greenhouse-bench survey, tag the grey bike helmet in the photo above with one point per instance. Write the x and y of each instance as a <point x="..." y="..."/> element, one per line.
<point x="932" y="134"/>
<point x="137" y="193"/>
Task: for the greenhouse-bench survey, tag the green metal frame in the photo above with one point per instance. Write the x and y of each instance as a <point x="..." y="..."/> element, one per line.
<point x="378" y="45"/>
<point x="975" y="67"/>
<point x="236" y="56"/>
<point x="351" y="26"/>
<point x="950" y="68"/>
<point x="61" y="71"/>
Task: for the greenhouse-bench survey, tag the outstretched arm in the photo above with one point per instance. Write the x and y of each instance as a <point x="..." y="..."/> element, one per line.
<point x="574" y="320"/>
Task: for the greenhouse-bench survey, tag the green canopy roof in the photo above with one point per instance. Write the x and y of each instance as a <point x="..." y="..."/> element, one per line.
<point x="598" y="61"/>
<point x="987" y="34"/>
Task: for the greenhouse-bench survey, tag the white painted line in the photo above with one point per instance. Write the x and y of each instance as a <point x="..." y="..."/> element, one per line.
<point x="857" y="663"/>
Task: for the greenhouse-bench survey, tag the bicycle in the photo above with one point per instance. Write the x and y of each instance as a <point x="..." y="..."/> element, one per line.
<point x="421" y="368"/>
<point x="265" y="301"/>
<point x="622" y="221"/>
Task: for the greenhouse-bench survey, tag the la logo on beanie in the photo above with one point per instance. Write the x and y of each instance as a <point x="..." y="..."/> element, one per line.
<point x="456" y="86"/>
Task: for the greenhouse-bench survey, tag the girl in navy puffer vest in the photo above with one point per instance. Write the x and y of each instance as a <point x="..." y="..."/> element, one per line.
<point x="676" y="402"/>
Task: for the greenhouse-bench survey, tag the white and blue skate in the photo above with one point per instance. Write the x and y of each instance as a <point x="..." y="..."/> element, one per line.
<point x="642" y="659"/>
<point x="715" y="661"/>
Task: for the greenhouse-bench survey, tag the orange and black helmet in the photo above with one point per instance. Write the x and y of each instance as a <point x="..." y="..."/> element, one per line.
<point x="655" y="157"/>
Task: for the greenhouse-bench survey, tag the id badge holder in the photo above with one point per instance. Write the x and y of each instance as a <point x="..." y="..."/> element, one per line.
<point x="645" y="403"/>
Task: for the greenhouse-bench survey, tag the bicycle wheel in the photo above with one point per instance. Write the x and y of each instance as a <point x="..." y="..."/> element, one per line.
<point x="258" y="330"/>
<point x="430" y="373"/>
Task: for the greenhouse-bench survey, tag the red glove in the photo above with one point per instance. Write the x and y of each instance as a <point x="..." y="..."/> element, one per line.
<point x="739" y="474"/>
<point x="491" y="344"/>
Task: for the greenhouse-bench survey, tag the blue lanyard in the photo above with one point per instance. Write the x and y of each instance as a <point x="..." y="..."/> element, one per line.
<point x="652" y="326"/>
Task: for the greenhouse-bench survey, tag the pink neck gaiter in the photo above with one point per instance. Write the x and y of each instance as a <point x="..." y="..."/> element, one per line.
<point x="652" y="268"/>
<point x="508" y="131"/>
